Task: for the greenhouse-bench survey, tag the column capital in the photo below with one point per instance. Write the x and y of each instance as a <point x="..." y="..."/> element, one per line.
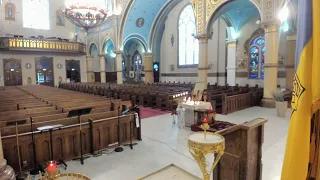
<point x="270" y="26"/>
<point x="148" y="55"/>
<point x="101" y="55"/>
<point x="117" y="52"/>
<point x="89" y="57"/>
<point x="232" y="43"/>
<point x="203" y="38"/>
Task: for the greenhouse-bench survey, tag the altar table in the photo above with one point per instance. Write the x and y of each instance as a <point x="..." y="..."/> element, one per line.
<point x="188" y="111"/>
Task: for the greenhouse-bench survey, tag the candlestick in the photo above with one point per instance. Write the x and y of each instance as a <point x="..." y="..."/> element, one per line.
<point x="205" y="126"/>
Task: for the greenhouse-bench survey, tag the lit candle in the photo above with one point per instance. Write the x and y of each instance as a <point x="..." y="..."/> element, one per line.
<point x="205" y="120"/>
<point x="52" y="166"/>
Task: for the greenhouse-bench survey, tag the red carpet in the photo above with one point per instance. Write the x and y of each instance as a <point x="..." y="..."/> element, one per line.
<point x="148" y="112"/>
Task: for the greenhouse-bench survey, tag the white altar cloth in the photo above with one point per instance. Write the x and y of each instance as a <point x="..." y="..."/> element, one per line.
<point x="188" y="113"/>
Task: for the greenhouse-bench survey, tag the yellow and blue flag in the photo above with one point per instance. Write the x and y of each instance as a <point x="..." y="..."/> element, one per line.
<point x="302" y="151"/>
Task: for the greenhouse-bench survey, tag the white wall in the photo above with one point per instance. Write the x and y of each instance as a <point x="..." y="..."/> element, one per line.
<point x="16" y="27"/>
<point x="169" y="53"/>
<point x="32" y="72"/>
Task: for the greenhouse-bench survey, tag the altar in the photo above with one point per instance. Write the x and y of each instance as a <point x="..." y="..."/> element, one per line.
<point x="187" y="111"/>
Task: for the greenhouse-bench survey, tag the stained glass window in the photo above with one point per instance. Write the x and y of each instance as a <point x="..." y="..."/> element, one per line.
<point x="256" y="58"/>
<point x="36" y="14"/>
<point x="188" y="45"/>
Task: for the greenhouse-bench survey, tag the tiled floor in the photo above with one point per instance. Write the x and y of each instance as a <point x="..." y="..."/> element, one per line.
<point x="164" y="144"/>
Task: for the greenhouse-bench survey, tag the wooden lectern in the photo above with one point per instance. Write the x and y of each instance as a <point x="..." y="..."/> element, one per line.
<point x="243" y="152"/>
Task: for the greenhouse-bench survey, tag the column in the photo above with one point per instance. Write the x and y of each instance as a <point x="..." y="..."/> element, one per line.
<point x="90" y="73"/>
<point x="231" y="66"/>
<point x="202" y="80"/>
<point x="119" y="67"/>
<point x="148" y="68"/>
<point x="102" y="68"/>
<point x="271" y="63"/>
<point x="6" y="172"/>
<point x="291" y="55"/>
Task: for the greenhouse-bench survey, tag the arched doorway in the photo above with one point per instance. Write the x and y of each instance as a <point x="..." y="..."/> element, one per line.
<point x="12" y="72"/>
<point x="135" y="50"/>
<point x="110" y="59"/>
<point x="44" y="71"/>
<point x="94" y="52"/>
<point x="73" y="70"/>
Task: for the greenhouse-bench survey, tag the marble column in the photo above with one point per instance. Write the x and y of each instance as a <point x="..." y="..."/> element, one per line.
<point x="202" y="80"/>
<point x="90" y="73"/>
<point x="291" y="55"/>
<point x="232" y="62"/>
<point x="148" y="68"/>
<point x="102" y="68"/>
<point x="271" y="63"/>
<point x="119" y="67"/>
<point x="6" y="172"/>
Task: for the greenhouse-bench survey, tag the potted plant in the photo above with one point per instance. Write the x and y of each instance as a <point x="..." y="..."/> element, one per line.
<point x="281" y="104"/>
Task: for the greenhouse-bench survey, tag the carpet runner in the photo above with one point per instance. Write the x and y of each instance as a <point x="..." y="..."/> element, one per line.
<point x="148" y="112"/>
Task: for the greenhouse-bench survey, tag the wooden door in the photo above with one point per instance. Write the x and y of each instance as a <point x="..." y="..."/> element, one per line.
<point x="12" y="72"/>
<point x="97" y="76"/>
<point x="44" y="71"/>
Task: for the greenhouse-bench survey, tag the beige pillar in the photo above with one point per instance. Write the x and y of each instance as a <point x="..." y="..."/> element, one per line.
<point x="102" y="68"/>
<point x="291" y="54"/>
<point x="90" y="73"/>
<point x="6" y="171"/>
<point x="202" y="80"/>
<point x="148" y="68"/>
<point x="271" y="63"/>
<point x="119" y="67"/>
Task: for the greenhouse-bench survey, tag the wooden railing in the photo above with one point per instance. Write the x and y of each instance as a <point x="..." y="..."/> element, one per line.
<point x="235" y="103"/>
<point x="43" y="45"/>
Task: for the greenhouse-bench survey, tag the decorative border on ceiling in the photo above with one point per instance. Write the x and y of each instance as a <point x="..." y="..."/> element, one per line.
<point x="211" y="7"/>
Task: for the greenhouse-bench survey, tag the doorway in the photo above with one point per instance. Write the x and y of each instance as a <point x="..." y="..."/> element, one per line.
<point x="44" y="71"/>
<point x="12" y="72"/>
<point x="73" y="70"/>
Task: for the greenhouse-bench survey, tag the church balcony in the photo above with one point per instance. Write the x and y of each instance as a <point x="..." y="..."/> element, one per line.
<point x="19" y="44"/>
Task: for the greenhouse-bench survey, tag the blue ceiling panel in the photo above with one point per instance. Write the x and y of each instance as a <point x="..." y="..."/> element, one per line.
<point x="146" y="9"/>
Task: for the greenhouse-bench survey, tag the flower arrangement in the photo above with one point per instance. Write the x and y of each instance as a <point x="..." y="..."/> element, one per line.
<point x="278" y="95"/>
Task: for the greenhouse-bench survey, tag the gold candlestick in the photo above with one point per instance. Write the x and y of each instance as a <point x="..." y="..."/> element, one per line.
<point x="205" y="126"/>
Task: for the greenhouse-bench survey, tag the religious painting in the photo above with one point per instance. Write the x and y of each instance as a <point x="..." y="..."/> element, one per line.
<point x="60" y="18"/>
<point x="140" y="22"/>
<point x="10" y="12"/>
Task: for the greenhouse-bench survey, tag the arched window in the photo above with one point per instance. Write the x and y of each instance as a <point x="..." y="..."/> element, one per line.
<point x="256" y="58"/>
<point x="188" y="45"/>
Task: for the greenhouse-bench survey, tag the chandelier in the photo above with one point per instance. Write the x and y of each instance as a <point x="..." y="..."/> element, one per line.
<point x="85" y="16"/>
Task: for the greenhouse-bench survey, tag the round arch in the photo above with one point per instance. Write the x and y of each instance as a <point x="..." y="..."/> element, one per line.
<point x="106" y="43"/>
<point x="218" y="12"/>
<point x="139" y="39"/>
<point x="123" y="21"/>
<point x="90" y="48"/>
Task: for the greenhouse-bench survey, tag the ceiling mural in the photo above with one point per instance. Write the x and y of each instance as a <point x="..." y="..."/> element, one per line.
<point x="141" y="17"/>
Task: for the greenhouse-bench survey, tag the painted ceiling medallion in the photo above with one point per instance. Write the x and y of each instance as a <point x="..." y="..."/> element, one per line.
<point x="59" y="66"/>
<point x="28" y="66"/>
<point x="140" y="22"/>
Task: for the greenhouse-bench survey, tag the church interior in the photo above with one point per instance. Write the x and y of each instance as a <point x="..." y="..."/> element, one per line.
<point x="145" y="89"/>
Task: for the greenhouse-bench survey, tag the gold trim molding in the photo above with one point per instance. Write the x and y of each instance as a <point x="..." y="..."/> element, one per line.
<point x="292" y="38"/>
<point x="232" y="44"/>
<point x="148" y="55"/>
<point x="271" y="65"/>
<point x="211" y="7"/>
<point x="270" y="27"/>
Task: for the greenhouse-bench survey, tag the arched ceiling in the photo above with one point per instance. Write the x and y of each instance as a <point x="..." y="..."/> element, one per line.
<point x="238" y="13"/>
<point x="146" y="9"/>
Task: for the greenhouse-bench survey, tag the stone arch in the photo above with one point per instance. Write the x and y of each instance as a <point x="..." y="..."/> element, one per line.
<point x="138" y="38"/>
<point x="92" y="44"/>
<point x="123" y="22"/>
<point x="219" y="12"/>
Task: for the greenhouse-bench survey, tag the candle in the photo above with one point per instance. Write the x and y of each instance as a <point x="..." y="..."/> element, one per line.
<point x="205" y="120"/>
<point x="52" y="166"/>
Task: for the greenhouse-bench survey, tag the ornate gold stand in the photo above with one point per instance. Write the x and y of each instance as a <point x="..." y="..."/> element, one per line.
<point x="204" y="143"/>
